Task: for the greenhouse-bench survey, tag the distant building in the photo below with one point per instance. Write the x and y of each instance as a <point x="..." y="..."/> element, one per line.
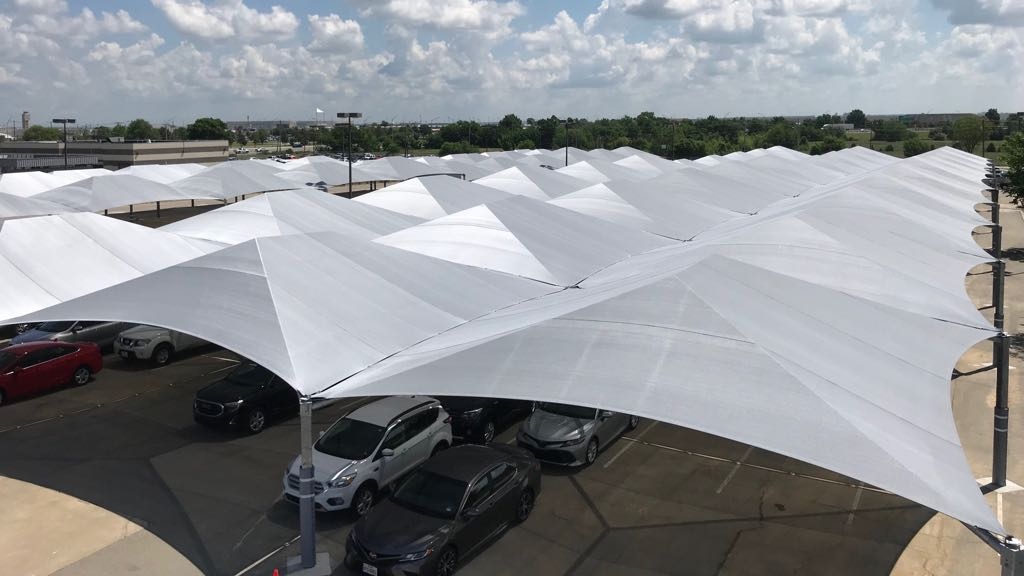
<point x="115" y="155"/>
<point x="26" y="120"/>
<point x="259" y="124"/>
<point x="16" y="162"/>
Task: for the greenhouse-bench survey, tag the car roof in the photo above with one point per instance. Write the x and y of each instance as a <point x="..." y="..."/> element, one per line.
<point x="382" y="412"/>
<point x="464" y="462"/>
<point x="30" y="346"/>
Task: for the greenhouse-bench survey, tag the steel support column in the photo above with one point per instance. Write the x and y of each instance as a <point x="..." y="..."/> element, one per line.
<point x="1001" y="417"/>
<point x="307" y="518"/>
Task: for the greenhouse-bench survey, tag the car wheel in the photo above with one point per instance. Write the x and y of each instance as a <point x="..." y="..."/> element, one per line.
<point x="441" y="446"/>
<point x="81" y="376"/>
<point x="591" y="454"/>
<point x="634" y="421"/>
<point x="525" y="505"/>
<point x="446" y="562"/>
<point x="488" y="432"/>
<point x="362" y="501"/>
<point x="162" y="354"/>
<point x="255" y="420"/>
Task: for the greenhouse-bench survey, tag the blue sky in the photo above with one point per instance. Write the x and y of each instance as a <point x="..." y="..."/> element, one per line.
<point x="174" y="60"/>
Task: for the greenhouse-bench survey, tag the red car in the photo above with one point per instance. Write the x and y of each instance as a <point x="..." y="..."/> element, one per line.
<point x="34" y="367"/>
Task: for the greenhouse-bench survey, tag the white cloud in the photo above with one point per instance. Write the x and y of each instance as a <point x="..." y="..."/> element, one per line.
<point x="332" y="33"/>
<point x="491" y="18"/>
<point x="226" y="19"/>
<point x="44" y="6"/>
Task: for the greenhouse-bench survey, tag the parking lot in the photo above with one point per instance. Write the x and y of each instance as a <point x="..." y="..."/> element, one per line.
<point x="662" y="500"/>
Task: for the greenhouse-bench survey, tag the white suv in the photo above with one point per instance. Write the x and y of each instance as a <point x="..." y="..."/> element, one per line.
<point x="365" y="451"/>
<point x="151" y="343"/>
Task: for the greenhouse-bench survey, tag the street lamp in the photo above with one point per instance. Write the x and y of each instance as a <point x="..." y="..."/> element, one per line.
<point x="566" y="121"/>
<point x="349" y="116"/>
<point x="65" y="122"/>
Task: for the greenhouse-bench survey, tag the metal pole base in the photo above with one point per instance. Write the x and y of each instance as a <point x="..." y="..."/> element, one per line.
<point x="1011" y="558"/>
<point x="321" y="568"/>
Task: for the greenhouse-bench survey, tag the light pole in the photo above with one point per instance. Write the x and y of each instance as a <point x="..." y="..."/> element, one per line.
<point x="566" y="141"/>
<point x="349" y="116"/>
<point x="65" y="122"/>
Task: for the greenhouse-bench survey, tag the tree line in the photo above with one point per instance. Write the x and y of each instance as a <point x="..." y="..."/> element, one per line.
<point x="668" y="137"/>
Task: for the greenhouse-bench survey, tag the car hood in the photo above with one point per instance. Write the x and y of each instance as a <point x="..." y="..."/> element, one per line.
<point x="143" y="331"/>
<point x="224" y="391"/>
<point x="33" y="335"/>
<point x="554" y="427"/>
<point x="390" y="529"/>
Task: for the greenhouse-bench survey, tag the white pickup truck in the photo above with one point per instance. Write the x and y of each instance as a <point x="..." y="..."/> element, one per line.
<point x="151" y="343"/>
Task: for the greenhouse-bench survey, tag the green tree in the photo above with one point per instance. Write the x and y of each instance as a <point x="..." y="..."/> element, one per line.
<point x="118" y="131"/>
<point x="968" y="131"/>
<point x="207" y="129"/>
<point x="525" y="145"/>
<point x="511" y="122"/>
<point x="42" y="133"/>
<point x="857" y="118"/>
<point x="260" y="136"/>
<point x="1012" y="153"/>
<point x="915" y="146"/>
<point x="100" y="133"/>
<point x="890" y="131"/>
<point x="993" y="116"/>
<point x="782" y="134"/>
<point x="139" y="129"/>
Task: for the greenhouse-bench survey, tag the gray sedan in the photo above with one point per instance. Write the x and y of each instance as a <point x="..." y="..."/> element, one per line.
<point x="101" y="333"/>
<point x="571" y="435"/>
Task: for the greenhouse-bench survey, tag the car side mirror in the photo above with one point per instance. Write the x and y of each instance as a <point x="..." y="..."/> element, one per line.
<point x="606" y="414"/>
<point x="470" y="513"/>
<point x="387" y="452"/>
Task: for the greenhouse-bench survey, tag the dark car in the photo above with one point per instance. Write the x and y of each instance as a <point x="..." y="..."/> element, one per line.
<point x="450" y="507"/>
<point x="478" y="419"/>
<point x="246" y="398"/>
<point x="27" y="369"/>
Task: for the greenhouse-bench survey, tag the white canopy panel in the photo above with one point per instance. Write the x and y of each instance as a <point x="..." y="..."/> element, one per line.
<point x="12" y="206"/>
<point x="533" y="182"/>
<point x="102" y="192"/>
<point x="229" y="179"/>
<point x="431" y="196"/>
<point x="162" y="173"/>
<point x="290" y="212"/>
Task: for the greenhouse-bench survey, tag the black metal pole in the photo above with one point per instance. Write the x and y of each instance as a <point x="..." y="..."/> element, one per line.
<point x="566" y="142"/>
<point x="157" y="208"/>
<point x="65" y="144"/>
<point x="1002" y="411"/>
<point x="350" y="157"/>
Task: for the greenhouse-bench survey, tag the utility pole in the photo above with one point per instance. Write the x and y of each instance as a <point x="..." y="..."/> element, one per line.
<point x="65" y="122"/>
<point x="349" y="116"/>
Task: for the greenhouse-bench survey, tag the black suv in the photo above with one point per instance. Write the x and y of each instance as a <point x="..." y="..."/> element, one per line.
<point x="248" y="397"/>
<point x="478" y="419"/>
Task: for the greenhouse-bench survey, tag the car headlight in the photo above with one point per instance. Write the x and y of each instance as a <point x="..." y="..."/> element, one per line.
<point x="342" y="481"/>
<point x="142" y="342"/>
<point x="417" y="555"/>
<point x="232" y="406"/>
<point x="473" y="414"/>
<point x="573" y="441"/>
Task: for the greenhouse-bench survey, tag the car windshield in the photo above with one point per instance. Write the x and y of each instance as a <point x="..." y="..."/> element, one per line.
<point x="568" y="410"/>
<point x="6" y="359"/>
<point x="249" y="374"/>
<point x="430" y="493"/>
<point x="350" y="439"/>
<point x="55" y="327"/>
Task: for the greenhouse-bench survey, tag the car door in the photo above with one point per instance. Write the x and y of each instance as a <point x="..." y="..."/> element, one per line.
<point x="32" y="374"/>
<point x="421" y="434"/>
<point x="393" y="466"/>
<point x="474" y="527"/>
<point x="60" y="366"/>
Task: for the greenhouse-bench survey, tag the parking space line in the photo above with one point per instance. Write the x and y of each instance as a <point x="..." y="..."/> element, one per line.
<point x="735" y="467"/>
<point x="856" y="502"/>
<point x="224" y="359"/>
<point x="629" y="445"/>
<point x="264" y="559"/>
<point x="218" y="370"/>
<point x="999" y="507"/>
<point x="757" y="466"/>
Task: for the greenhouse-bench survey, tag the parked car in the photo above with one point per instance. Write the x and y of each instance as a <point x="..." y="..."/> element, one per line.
<point x="33" y="367"/>
<point x="247" y="398"/>
<point x="155" y="344"/>
<point x="479" y="419"/>
<point x="452" y="506"/>
<point x="571" y="435"/>
<point x="101" y="333"/>
<point x="364" y="452"/>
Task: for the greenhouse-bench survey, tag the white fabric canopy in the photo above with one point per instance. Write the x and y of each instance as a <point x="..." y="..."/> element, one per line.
<point x="533" y="182"/>
<point x="431" y="196"/>
<point x="229" y="179"/>
<point x="113" y="190"/>
<point x="824" y="328"/>
<point x="162" y="173"/>
<point x="290" y="212"/>
<point x="12" y="206"/>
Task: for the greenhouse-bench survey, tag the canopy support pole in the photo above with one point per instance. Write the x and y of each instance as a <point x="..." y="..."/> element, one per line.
<point x="309" y="563"/>
<point x="1001" y="418"/>
<point x="1010" y="550"/>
